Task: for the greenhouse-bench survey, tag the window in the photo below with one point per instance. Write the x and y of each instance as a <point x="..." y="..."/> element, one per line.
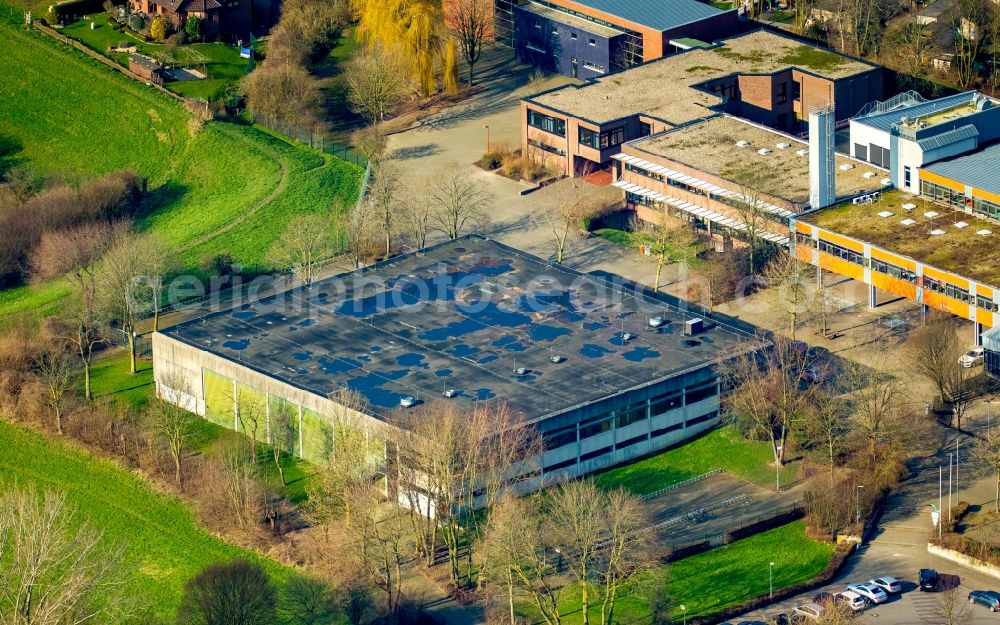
<point x="594" y="67"/>
<point x="861" y="152"/>
<point x="943" y="194"/>
<point x="665" y="404"/>
<point x="634" y="415"/>
<point x="986" y="303"/>
<point x="546" y="147"/>
<point x="546" y="123"/>
<point x="586" y="431"/>
<point x="555" y="31"/>
<point x="645" y="129"/>
<point x="782" y="95"/>
<point x="703" y="418"/>
<point x="933" y="285"/>
<point x="986" y="208"/>
<point x="666" y="430"/>
<point x="559" y="438"/>
<point x="572" y="36"/>
<point x="643" y="172"/>
<point x="630" y="442"/>
<point x="613" y="137"/>
<point x="796" y="90"/>
<point x="589" y="138"/>
<point x="560" y="465"/>
<point x="692" y="395"/>
<point x="590" y="455"/>
<point x="953" y="291"/>
<point x="906" y="176"/>
<point x="841" y="252"/>
<point x="878" y="156"/>
<point x="893" y="271"/>
<point x="805" y="240"/>
<point x="592" y="42"/>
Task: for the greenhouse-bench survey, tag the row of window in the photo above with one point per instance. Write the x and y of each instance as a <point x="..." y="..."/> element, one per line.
<point x="544" y="122"/>
<point x="955" y="199"/>
<point x="602" y="140"/>
<point x="986" y="208"/>
<point x="590" y="455"/>
<point x="643" y="172"/>
<point x="899" y="273"/>
<point x="627" y="416"/>
<point x="546" y="147"/>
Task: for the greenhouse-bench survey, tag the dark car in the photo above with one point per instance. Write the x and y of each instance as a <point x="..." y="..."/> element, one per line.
<point x="988" y="598"/>
<point x="928" y="580"/>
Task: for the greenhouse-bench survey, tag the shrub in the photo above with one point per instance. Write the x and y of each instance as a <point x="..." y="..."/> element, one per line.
<point x="491" y="160"/>
<point x="513" y="166"/>
<point x="177" y="38"/>
<point x="158" y="28"/>
<point x="192" y="27"/>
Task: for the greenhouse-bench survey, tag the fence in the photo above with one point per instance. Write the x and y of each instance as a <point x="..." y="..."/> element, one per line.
<point x="316" y="139"/>
<point x="760" y="523"/>
<point x="681" y="484"/>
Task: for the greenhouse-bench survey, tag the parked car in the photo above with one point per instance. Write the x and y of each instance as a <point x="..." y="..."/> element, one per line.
<point x="810" y="611"/>
<point x="972" y="357"/>
<point x="988" y="598"/>
<point x="928" y="580"/>
<point x="889" y="584"/>
<point x="870" y="592"/>
<point x="853" y="599"/>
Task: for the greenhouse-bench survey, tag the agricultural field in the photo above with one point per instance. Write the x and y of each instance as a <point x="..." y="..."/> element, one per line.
<point x="723" y="448"/>
<point x="712" y="581"/>
<point x="164" y="545"/>
<point x="214" y="187"/>
<point x="220" y="62"/>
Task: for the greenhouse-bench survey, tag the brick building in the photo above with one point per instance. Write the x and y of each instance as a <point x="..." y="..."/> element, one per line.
<point x="230" y="19"/>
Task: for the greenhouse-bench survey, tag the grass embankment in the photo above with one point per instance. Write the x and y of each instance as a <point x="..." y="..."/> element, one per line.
<point x="213" y="188"/>
<point x="718" y="579"/>
<point x="723" y="448"/>
<point x="220" y="62"/>
<point x="165" y="546"/>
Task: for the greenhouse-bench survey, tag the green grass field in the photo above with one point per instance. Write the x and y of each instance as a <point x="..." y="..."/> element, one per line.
<point x="222" y="62"/>
<point x="723" y="448"/>
<point x="715" y="580"/>
<point x="165" y="547"/>
<point x="219" y="188"/>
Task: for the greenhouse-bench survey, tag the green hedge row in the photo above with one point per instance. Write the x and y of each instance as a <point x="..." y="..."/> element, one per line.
<point x="72" y="8"/>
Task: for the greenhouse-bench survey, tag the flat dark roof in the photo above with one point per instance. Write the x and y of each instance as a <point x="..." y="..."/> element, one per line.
<point x="462" y="315"/>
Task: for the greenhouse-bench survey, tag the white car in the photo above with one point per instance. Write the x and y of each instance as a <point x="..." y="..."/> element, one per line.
<point x="972" y="357"/>
<point x="853" y="599"/>
<point x="889" y="584"/>
<point x="871" y="592"/>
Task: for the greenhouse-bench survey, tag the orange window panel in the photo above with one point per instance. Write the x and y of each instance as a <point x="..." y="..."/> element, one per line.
<point x="941" y="180"/>
<point x="889" y="257"/>
<point x="943" y="276"/>
<point x="841" y="266"/>
<point x="842" y="241"/>
<point x="894" y="286"/>
<point x="984" y="290"/>
<point x="947" y="304"/>
<point x="804" y="228"/>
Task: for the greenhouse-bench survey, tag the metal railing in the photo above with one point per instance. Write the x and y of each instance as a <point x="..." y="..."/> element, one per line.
<point x="681" y="484"/>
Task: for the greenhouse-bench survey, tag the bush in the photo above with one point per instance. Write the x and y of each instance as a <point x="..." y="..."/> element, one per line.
<point x="513" y="166"/>
<point x="178" y="38"/>
<point x="158" y="28"/>
<point x="491" y="160"/>
<point x="72" y="8"/>
<point x="192" y="27"/>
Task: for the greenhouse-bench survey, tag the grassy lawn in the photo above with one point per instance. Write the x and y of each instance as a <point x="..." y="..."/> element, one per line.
<point x="165" y="546"/>
<point x="221" y="62"/>
<point x="715" y="580"/>
<point x="635" y="239"/>
<point x="723" y="448"/>
<point x="219" y="188"/>
<point x="109" y="378"/>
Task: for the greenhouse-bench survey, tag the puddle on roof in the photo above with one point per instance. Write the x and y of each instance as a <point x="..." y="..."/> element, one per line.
<point x="543" y="332"/>
<point x="490" y="315"/>
<point x="305" y="323"/>
<point x="370" y="387"/>
<point x="510" y="343"/>
<point x="690" y="343"/>
<point x="443" y="373"/>
<point x="238" y="345"/>
<point x="589" y="350"/>
<point x="301" y="371"/>
<point x="412" y="360"/>
<point x="591" y="326"/>
<point x="247" y="313"/>
<point x="333" y="366"/>
<point x="485" y="360"/>
<point x="461" y="350"/>
<point x="640" y="353"/>
<point x="303" y="356"/>
<point x="483" y="394"/>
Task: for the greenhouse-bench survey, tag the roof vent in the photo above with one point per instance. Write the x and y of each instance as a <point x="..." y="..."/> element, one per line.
<point x="937" y="232"/>
<point x="909" y="206"/>
<point x="557" y="359"/>
<point x="655" y="322"/>
<point x="742" y="144"/>
<point x="885" y="214"/>
<point x="984" y="232"/>
<point x="961" y="224"/>
<point x="908" y="222"/>
<point x="984" y="104"/>
<point x="931" y="214"/>
<point x="869" y="174"/>
<point x="450" y="393"/>
<point x="520" y="371"/>
<point x="784" y="146"/>
<point x="802" y="152"/>
<point x="693" y="326"/>
<point x="763" y="151"/>
<point x="408" y="402"/>
<point x="846" y="167"/>
<point x="627" y="336"/>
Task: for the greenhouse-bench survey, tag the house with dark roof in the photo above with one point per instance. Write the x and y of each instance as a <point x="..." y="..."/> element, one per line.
<point x="229" y="19"/>
<point x="590" y="38"/>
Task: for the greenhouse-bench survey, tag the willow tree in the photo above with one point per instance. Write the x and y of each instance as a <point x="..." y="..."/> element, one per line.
<point x="408" y="26"/>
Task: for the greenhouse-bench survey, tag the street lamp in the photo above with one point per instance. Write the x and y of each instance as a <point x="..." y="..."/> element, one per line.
<point x="684" y="617"/>
<point x="777" y="470"/>
<point x="857" y="513"/>
<point x="487" y="127"/>
<point x="989" y="404"/>
<point x="559" y="560"/>
<point x="770" y="582"/>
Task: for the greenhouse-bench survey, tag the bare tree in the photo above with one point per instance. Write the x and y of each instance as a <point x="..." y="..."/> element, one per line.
<point x="175" y="427"/>
<point x="987" y="451"/>
<point x="628" y="554"/>
<point x="970" y="20"/>
<point x="750" y="207"/>
<point x="415" y="218"/>
<point x="773" y="398"/>
<point x="381" y="543"/>
<point x="124" y="282"/>
<point x="230" y="593"/>
<point x="932" y="351"/>
<point x="952" y="609"/>
<point x="829" y="425"/>
<point x="376" y="82"/>
<point x="282" y="432"/>
<point x="576" y="517"/>
<point x="458" y="201"/>
<point x="472" y="23"/>
<point x="307" y="240"/>
<point x="565" y="210"/>
<point x="912" y="44"/>
<point x="360" y="233"/>
<point x="669" y="241"/>
<point x="57" y="569"/>
<point x="384" y="188"/>
<point x="241" y="485"/>
<point x="56" y="374"/>
<point x="308" y="601"/>
<point x="791" y="290"/>
<point x="370" y="143"/>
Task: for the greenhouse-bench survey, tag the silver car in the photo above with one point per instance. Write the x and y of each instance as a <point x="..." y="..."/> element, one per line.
<point x="889" y="584"/>
<point x="870" y="592"/>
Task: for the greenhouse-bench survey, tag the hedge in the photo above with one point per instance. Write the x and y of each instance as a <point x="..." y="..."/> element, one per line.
<point x="72" y="8"/>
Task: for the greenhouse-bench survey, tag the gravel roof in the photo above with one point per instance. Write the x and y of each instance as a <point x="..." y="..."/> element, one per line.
<point x="710" y="146"/>
<point x="642" y="90"/>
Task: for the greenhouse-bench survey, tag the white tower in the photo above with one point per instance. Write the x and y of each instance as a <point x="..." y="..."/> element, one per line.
<point x="822" y="161"/>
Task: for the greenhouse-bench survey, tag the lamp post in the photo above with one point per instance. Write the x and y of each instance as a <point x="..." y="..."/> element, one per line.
<point x="989" y="404"/>
<point x="559" y="560"/>
<point x="857" y="512"/>
<point x="487" y="127"/>
<point x="770" y="582"/>
<point x="777" y="470"/>
<point x="684" y="616"/>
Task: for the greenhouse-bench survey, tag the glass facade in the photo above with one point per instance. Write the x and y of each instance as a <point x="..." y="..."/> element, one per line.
<point x="549" y="124"/>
